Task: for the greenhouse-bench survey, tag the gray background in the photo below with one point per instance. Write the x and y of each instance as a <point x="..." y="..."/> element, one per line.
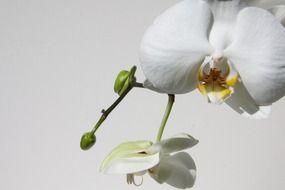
<point x="58" y="60"/>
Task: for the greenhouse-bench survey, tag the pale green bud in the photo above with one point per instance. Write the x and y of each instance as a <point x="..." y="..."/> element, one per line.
<point x="122" y="82"/>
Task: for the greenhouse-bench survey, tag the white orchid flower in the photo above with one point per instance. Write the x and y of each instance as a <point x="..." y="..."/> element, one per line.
<point x="231" y="51"/>
<point x="137" y="158"/>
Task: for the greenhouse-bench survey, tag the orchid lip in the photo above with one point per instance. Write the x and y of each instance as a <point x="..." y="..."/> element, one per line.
<point x="216" y="78"/>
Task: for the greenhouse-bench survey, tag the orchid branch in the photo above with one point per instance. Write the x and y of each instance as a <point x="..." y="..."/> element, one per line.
<point x="171" y="99"/>
<point x="124" y="83"/>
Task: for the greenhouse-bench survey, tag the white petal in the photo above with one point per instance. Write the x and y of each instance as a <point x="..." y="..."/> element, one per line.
<point x="149" y="85"/>
<point x="265" y="3"/>
<point x="242" y="102"/>
<point x="130" y="157"/>
<point x="174" y="45"/>
<point x="178" y="170"/>
<point x="177" y="143"/>
<point x="264" y="112"/>
<point x="131" y="165"/>
<point x="279" y="13"/>
<point x="225" y="13"/>
<point x="258" y="54"/>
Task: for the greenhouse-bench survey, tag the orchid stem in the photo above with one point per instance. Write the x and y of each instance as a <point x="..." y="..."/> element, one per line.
<point x="138" y="85"/>
<point x="105" y="113"/>
<point x="171" y="99"/>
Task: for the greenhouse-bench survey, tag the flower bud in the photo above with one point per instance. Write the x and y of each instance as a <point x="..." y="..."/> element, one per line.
<point x="122" y="82"/>
<point x="87" y="141"/>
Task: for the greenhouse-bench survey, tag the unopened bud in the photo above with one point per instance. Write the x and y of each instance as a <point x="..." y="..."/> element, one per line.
<point x="122" y="82"/>
<point x="87" y="141"/>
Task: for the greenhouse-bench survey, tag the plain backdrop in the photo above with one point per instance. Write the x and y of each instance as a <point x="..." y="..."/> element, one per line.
<point x="58" y="61"/>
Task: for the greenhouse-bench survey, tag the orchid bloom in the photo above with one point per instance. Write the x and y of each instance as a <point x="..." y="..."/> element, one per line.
<point x="137" y="158"/>
<point x="232" y="51"/>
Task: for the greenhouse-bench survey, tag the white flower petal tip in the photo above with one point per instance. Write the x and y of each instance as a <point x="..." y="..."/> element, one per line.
<point x="130" y="157"/>
<point x="262" y="113"/>
<point x="188" y="137"/>
<point x="265" y="3"/>
<point x="177" y="143"/>
<point x="178" y="170"/>
<point x="279" y="13"/>
<point x="242" y="102"/>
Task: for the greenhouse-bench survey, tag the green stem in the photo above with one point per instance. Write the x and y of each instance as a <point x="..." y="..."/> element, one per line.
<point x="105" y="113"/>
<point x="171" y="99"/>
<point x="138" y="85"/>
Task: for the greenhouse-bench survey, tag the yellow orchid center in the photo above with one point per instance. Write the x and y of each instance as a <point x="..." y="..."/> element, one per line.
<point x="216" y="79"/>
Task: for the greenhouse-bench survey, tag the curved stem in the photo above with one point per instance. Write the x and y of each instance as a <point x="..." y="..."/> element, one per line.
<point x="171" y="99"/>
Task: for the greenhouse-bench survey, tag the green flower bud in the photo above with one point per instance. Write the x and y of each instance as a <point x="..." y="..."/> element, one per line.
<point x="87" y="141"/>
<point x="122" y="82"/>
